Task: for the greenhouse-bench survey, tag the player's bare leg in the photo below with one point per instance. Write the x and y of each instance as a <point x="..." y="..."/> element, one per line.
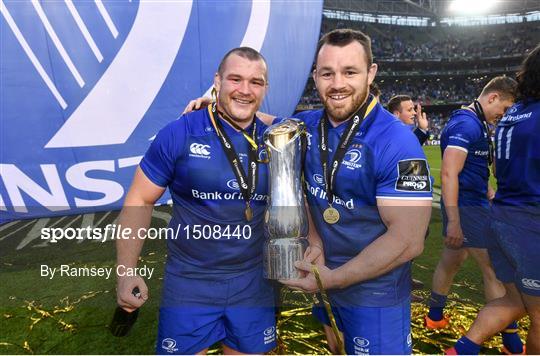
<point x="228" y="351"/>
<point x="532" y="304"/>
<point x="331" y="339"/>
<point x="448" y="266"/>
<point x="493" y="288"/>
<point x="496" y="315"/>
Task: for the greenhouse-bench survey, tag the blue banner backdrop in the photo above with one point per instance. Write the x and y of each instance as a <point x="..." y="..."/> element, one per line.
<point x="85" y="86"/>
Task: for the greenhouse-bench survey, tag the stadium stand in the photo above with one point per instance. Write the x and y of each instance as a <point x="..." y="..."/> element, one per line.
<point x="443" y="67"/>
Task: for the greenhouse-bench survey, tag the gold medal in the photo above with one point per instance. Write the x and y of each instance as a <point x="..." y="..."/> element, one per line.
<point x="331" y="215"/>
<point x="248" y="212"/>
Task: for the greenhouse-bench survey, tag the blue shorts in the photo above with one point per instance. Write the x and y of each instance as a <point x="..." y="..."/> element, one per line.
<point x="372" y="330"/>
<point x="515" y="256"/>
<point x="474" y="222"/>
<point x="194" y="314"/>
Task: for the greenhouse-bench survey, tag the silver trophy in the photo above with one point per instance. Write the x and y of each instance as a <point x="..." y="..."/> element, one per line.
<point x="286" y="224"/>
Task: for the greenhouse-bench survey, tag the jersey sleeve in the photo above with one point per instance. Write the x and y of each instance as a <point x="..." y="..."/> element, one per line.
<point x="462" y="134"/>
<point x="309" y="117"/>
<point x="158" y="163"/>
<point x="402" y="170"/>
<point x="421" y="135"/>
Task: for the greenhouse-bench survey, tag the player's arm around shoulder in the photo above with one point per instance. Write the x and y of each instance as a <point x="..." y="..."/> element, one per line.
<point x="203" y="102"/>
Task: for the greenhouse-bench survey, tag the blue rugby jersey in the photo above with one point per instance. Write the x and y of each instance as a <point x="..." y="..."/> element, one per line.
<point x="376" y="165"/>
<point x="465" y="132"/>
<point x="187" y="157"/>
<point x="517" y="165"/>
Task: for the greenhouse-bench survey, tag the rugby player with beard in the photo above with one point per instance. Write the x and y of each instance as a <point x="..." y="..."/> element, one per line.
<point x="372" y="167"/>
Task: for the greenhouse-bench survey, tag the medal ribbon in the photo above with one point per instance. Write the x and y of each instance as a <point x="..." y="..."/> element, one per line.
<point x="480" y="113"/>
<point x="326" y="302"/>
<point x="249" y="184"/>
<point x="345" y="141"/>
<point x="251" y="140"/>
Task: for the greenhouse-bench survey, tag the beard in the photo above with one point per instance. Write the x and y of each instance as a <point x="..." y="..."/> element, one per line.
<point x="344" y="111"/>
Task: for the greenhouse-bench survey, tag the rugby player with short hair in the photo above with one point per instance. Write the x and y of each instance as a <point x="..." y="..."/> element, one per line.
<point x="404" y="109"/>
<point x="214" y="288"/>
<point x="362" y="168"/>
<point x="466" y="150"/>
<point x="515" y="213"/>
<point x="357" y="207"/>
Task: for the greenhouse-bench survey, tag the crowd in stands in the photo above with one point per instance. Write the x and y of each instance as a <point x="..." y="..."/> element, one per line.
<point x="436" y="124"/>
<point x="479" y="43"/>
<point x="454" y="51"/>
<point x="427" y="92"/>
<point x="432" y="92"/>
<point x="392" y="42"/>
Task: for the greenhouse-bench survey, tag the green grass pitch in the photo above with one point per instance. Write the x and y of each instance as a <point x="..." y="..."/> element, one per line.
<point x="70" y="315"/>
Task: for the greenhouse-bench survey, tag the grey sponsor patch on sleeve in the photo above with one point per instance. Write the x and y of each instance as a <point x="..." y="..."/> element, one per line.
<point x="413" y="176"/>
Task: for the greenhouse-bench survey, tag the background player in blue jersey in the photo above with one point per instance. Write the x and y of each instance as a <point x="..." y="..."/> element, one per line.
<point x="466" y="156"/>
<point x="214" y="288"/>
<point x="381" y="169"/>
<point x="404" y="109"/>
<point x="516" y="217"/>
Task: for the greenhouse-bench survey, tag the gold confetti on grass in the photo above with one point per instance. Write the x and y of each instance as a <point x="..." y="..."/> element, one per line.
<point x="416" y="264"/>
<point x="297" y="332"/>
<point x="43" y="314"/>
<point x="462" y="313"/>
<point x="25" y="346"/>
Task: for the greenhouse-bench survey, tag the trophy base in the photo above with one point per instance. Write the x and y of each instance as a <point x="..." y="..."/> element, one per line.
<point x="280" y="256"/>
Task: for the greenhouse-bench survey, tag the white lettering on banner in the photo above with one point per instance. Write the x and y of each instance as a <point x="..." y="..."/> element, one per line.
<point x="76" y="177"/>
<point x="98" y="110"/>
<point x="2" y="204"/>
<point x="52" y="195"/>
<point x="16" y="181"/>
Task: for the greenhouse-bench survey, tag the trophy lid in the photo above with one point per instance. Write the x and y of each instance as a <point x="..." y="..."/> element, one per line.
<point x="281" y="134"/>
